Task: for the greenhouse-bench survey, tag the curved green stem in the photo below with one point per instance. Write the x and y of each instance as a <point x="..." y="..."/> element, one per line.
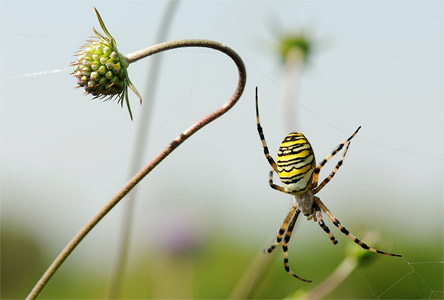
<point x="161" y="156"/>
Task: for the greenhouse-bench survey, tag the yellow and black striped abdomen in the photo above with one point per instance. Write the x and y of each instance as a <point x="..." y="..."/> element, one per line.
<point x="295" y="163"/>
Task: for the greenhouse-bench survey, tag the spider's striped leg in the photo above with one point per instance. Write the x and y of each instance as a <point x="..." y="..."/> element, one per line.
<point x="262" y="137"/>
<point x="323" y="226"/>
<point x="346" y="232"/>
<point x="281" y="230"/>
<point x="319" y="167"/>
<point x="275" y="186"/>
<point x="285" y="247"/>
<point x="327" y="180"/>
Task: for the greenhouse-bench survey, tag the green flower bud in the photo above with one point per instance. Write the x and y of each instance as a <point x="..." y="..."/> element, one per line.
<point x="102" y="71"/>
<point x="298" y="45"/>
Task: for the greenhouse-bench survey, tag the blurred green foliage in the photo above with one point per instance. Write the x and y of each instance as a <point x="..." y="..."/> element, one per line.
<point x="21" y="262"/>
<point x="213" y="269"/>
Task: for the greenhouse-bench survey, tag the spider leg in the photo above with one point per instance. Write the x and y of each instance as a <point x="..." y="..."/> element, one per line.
<point x="323" y="226"/>
<point x="262" y="137"/>
<point x="285" y="247"/>
<point x="281" y="230"/>
<point x="317" y="170"/>
<point x="327" y="180"/>
<point x="275" y="186"/>
<point x="346" y="232"/>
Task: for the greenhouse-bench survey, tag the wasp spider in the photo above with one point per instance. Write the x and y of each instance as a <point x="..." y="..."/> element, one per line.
<point x="297" y="170"/>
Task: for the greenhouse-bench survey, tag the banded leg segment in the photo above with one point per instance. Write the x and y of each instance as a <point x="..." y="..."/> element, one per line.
<point x="321" y="223"/>
<point x="262" y="137"/>
<point x="275" y="186"/>
<point x="281" y="230"/>
<point x="327" y="180"/>
<point x="338" y="165"/>
<point x="285" y="247"/>
<point x="336" y="222"/>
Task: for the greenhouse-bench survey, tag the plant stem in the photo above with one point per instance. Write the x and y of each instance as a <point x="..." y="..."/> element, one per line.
<point x="139" y="148"/>
<point x="252" y="276"/>
<point x="338" y="276"/>
<point x="161" y="156"/>
<point x="294" y="64"/>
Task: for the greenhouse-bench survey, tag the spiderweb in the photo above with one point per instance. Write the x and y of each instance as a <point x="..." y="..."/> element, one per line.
<point x="420" y="275"/>
<point x="416" y="281"/>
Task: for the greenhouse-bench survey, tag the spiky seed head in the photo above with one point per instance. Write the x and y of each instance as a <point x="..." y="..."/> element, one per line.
<point x="102" y="71"/>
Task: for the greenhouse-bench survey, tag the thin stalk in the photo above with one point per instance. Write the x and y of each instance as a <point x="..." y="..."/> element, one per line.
<point x="354" y="258"/>
<point x="139" y="148"/>
<point x="332" y="282"/>
<point x="293" y="68"/>
<point x="161" y="156"/>
<point x="252" y="276"/>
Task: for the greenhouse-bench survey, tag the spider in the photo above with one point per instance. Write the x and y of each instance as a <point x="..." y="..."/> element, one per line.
<point x="297" y="170"/>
